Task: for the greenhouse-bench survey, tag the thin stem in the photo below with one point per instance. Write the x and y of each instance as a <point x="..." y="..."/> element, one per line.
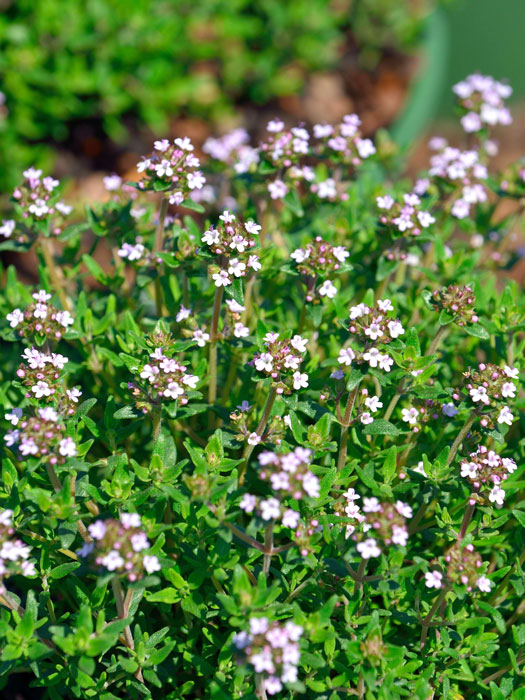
<point x="260" y="691"/>
<point x="268" y="548"/>
<point x="360" y="575"/>
<point x="212" y="387"/>
<point x="345" y="423"/>
<point x="157" y="247"/>
<point x="121" y="612"/>
<point x="53" y="478"/>
<point x="428" y="619"/>
<point x="157" y="422"/>
<point x="55" y="272"/>
<point x="419" y="516"/>
<point x="436" y="340"/>
<point x="469" y="512"/>
<point x="459" y="438"/>
<point x="243" y="536"/>
<point x="260" y="429"/>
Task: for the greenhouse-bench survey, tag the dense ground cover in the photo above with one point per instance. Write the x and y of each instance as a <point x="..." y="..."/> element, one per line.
<point x="274" y="447"/>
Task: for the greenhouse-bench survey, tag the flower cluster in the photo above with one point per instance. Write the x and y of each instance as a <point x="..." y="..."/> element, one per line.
<point x="284" y="147"/>
<point x="461" y="170"/>
<point x="232" y="238"/>
<point x="41" y="374"/>
<point x="486" y="470"/>
<point x="41" y="436"/>
<point x="488" y="388"/>
<point x="281" y="360"/>
<point x="463" y="564"/>
<point x="14" y="554"/>
<point x="161" y="378"/>
<point x="289" y="473"/>
<point x="245" y="420"/>
<point x="381" y="523"/>
<point x="318" y="259"/>
<point x="371" y="326"/>
<point x="36" y="197"/>
<point x="121" y="546"/>
<point x="343" y="142"/>
<point x="272" y="649"/>
<point x="233" y="149"/>
<point x="458" y="302"/>
<point x="40" y="318"/>
<point x="483" y="100"/>
<point x="407" y="217"/>
<point x="172" y="168"/>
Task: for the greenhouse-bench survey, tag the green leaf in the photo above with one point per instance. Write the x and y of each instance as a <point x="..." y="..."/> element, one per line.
<point x="292" y="201"/>
<point x="477" y="331"/>
<point x="381" y="427"/>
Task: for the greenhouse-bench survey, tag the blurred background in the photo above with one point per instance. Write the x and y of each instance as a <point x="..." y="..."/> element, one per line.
<point x="87" y="84"/>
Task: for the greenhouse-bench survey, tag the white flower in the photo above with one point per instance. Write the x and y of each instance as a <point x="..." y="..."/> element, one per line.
<point x="248" y="503"/>
<point x="195" y="180"/>
<point x="240" y="330"/>
<point x="385" y="202"/>
<point x="512" y="372"/>
<point x="14" y="416"/>
<point x="300" y="255"/>
<point x="328" y="289"/>
<point x="253" y="262"/>
<point x="505" y="416"/>
<point x="311" y="485"/>
<point x="366" y="419"/>
<point x="385" y="305"/>
<point x="484" y="584"/>
<point x="399" y="535"/>
<point x="64" y="209"/>
<point x="113" y="182"/>
<point x="252" y="227"/>
<point x="365" y="147"/>
<point x="300" y="381"/>
<point x="182" y="314"/>
<point x="264" y="362"/>
<point x="385" y="362"/>
<point x="372" y="357"/>
<point x="270" y="509"/>
<point x="469" y="469"/>
<point x="403" y="509"/>
<point x="299" y="343"/>
<point x="373" y="403"/>
<point x="253" y="439"/>
<point x="130" y="520"/>
<point x="221" y="279"/>
<point x="41" y="389"/>
<point x="173" y="390"/>
<point x="211" y="237"/>
<point x="67" y="447"/>
<point x="15" y="318"/>
<point x="410" y="415"/>
<point x="290" y="518"/>
<point x="7" y="228"/>
<point x="395" y="328"/>
<point x="358" y="311"/>
<point x="433" y="579"/>
<point x="190" y="380"/>
<point x="479" y="393"/>
<point x="368" y="549"/>
<point x="113" y="560"/>
<point x="277" y="189"/>
<point x="508" y="390"/>
<point x="200" y="337"/>
<point x="374" y="331"/>
<point x="345" y="357"/>
<point x="184" y="144"/>
<point x="236" y="267"/>
<point x="139" y="541"/>
<point x="340" y="253"/>
<point x="425" y="219"/>
<point x="234" y="306"/>
<point x="65" y="319"/>
<point x="73" y="394"/>
<point x="449" y="410"/>
<point x="371" y="505"/>
<point x="40" y="311"/>
<point x="497" y="495"/>
<point x="151" y="563"/>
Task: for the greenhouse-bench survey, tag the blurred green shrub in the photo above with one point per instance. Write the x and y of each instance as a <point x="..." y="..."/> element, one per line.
<point x="65" y="61"/>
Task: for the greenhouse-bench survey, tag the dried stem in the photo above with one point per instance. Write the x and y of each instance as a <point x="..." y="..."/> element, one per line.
<point x="345" y="423"/>
<point x="459" y="438"/>
<point x="260" y="429"/>
<point x="268" y="547"/>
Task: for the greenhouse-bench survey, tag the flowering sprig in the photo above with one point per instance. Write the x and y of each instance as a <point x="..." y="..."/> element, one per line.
<point x="281" y="360"/>
<point x="408" y="217"/>
<point x="272" y="649"/>
<point x="319" y="259"/>
<point x="343" y="143"/>
<point x="458" y="302"/>
<point x="42" y="436"/>
<point x="40" y="318"/>
<point x="463" y="173"/>
<point x="42" y="375"/>
<point x="244" y="422"/>
<point x="489" y="388"/>
<point x="14" y="554"/>
<point x="121" y="547"/>
<point x="232" y="241"/>
<point x="172" y="168"/>
<point x="233" y="149"/>
<point x="37" y="200"/>
<point x="462" y="567"/>
<point x="482" y="99"/>
<point x="161" y="378"/>
<point x="486" y="470"/>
